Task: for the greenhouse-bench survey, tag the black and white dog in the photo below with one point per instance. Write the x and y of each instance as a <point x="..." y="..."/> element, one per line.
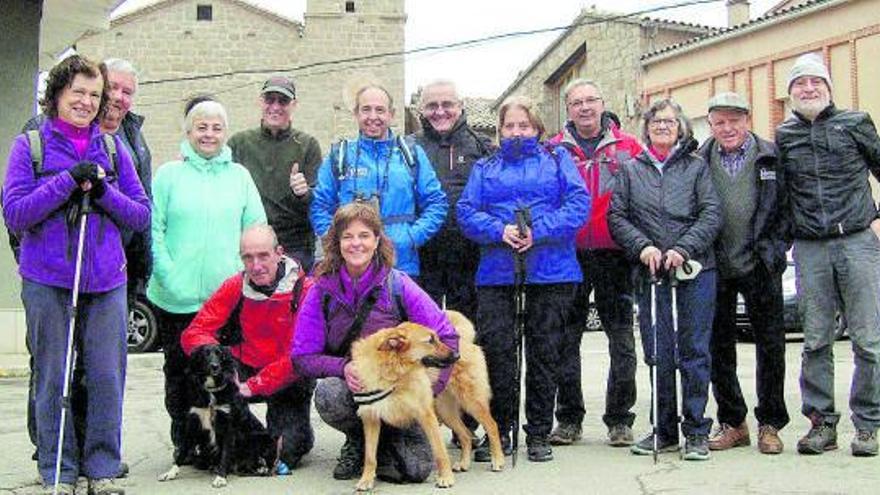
<point x="222" y="433"/>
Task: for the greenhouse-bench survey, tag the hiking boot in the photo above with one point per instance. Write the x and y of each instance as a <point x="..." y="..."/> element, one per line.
<point x="768" y="440"/>
<point x="728" y="437"/>
<point x="620" y="436"/>
<point x="63" y="489"/>
<point x="105" y="486"/>
<point x="821" y="437"/>
<point x="539" y="448"/>
<point x="696" y="448"/>
<point x="645" y="446"/>
<point x="483" y="454"/>
<point x="350" y="462"/>
<point x="565" y="434"/>
<point x="123" y="470"/>
<point x="864" y="444"/>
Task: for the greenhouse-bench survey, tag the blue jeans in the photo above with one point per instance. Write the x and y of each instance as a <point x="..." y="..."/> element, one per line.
<point x="846" y="271"/>
<point x="696" y="308"/>
<point x="100" y="341"/>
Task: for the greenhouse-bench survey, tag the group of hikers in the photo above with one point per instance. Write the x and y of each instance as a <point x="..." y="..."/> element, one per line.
<point x="225" y="237"/>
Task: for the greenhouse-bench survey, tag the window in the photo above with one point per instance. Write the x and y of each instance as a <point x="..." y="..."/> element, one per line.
<point x="573" y="68"/>
<point x="349" y="6"/>
<point x="204" y="12"/>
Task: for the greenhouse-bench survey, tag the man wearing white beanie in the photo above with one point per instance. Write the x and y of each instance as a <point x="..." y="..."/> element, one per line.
<point x="825" y="155"/>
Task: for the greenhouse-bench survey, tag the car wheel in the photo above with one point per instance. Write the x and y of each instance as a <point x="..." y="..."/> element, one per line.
<point x="143" y="331"/>
<point x="594" y="323"/>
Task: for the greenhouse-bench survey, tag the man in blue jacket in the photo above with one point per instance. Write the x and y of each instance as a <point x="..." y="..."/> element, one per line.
<point x="386" y="170"/>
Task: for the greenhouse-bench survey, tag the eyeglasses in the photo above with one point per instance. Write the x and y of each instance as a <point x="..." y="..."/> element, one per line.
<point x="663" y="123"/>
<point x="273" y="99"/>
<point x="434" y="106"/>
<point x="584" y="102"/>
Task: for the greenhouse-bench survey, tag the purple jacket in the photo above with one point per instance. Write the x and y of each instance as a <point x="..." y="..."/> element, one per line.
<point x="315" y="339"/>
<point x="35" y="208"/>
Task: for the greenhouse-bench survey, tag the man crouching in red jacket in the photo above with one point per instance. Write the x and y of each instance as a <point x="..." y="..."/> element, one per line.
<point x="254" y="312"/>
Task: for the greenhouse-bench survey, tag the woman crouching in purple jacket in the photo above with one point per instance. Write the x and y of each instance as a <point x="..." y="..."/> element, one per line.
<point x="41" y="205"/>
<point x="356" y="278"/>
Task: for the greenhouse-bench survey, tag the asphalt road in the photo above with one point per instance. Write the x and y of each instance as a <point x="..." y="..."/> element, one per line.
<point x="588" y="467"/>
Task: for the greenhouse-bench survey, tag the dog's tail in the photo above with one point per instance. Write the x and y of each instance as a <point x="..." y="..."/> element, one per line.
<point x="463" y="326"/>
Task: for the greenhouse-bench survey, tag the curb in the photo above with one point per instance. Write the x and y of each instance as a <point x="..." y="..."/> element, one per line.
<point x="16" y="365"/>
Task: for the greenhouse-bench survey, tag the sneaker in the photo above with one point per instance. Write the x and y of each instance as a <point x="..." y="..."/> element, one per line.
<point x="696" y="448"/>
<point x="350" y="462"/>
<point x="821" y="437"/>
<point x="482" y="452"/>
<point x="728" y="437"/>
<point x="645" y="446"/>
<point x="864" y="444"/>
<point x="565" y="434"/>
<point x="620" y="436"/>
<point x="539" y="449"/>
<point x="105" y="486"/>
<point x="768" y="440"/>
<point x="63" y="489"/>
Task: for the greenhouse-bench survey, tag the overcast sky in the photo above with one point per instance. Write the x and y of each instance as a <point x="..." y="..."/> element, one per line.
<point x="488" y="69"/>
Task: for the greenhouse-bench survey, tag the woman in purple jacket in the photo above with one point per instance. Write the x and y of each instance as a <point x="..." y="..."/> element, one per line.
<point x="356" y="283"/>
<point x="40" y="206"/>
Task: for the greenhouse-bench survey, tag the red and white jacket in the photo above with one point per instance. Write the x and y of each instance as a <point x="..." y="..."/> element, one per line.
<point x="267" y="327"/>
<point x="599" y="172"/>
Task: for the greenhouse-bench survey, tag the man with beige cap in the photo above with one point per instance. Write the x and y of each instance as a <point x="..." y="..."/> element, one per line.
<point x="825" y="154"/>
<point x="751" y="258"/>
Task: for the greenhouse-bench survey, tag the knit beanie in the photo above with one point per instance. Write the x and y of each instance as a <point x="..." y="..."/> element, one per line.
<point x="809" y="64"/>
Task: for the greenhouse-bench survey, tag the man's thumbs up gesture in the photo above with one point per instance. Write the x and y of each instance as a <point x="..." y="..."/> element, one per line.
<point x="298" y="181"/>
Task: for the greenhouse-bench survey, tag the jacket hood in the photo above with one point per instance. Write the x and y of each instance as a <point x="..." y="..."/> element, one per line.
<point x="285" y="285"/>
<point x="681" y="148"/>
<point x="442" y="138"/>
<point x="190" y="156"/>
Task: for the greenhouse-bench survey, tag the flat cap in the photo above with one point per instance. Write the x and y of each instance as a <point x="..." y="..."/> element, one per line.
<point x="729" y="101"/>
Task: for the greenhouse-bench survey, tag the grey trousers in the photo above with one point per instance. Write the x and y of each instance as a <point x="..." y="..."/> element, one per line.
<point x="404" y="455"/>
<point x="843" y="272"/>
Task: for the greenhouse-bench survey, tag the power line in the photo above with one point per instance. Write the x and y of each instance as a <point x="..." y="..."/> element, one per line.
<point x="332" y="64"/>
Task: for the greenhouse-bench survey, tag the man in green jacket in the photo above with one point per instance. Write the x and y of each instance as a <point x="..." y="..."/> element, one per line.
<point x="283" y="162"/>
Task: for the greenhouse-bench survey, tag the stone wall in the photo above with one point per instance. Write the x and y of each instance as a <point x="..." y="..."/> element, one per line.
<point x="166" y="41"/>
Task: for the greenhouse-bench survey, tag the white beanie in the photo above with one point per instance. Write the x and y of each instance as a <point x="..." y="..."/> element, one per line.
<point x="809" y="64"/>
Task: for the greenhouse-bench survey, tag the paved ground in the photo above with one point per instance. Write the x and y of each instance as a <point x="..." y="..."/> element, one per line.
<point x="588" y="467"/>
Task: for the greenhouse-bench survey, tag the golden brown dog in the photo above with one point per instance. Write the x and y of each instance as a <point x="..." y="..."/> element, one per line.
<point x="391" y="364"/>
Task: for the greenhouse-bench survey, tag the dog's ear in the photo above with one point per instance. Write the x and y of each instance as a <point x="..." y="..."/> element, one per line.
<point x="396" y="342"/>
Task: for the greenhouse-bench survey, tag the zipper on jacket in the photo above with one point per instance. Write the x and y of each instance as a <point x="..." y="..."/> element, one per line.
<point x="819" y="189"/>
<point x="451" y="152"/>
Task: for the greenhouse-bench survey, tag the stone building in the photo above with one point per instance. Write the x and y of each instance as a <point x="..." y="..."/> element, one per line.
<point x="753" y="58"/>
<point x="229" y="47"/>
<point x="605" y="47"/>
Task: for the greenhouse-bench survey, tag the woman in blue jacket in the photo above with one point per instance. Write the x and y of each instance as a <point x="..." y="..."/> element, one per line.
<point x="522" y="175"/>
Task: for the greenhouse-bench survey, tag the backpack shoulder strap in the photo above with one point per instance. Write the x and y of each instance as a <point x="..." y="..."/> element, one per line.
<point x="35" y="141"/>
<point x="406" y="144"/>
<point x="397" y="296"/>
<point x="338" y="163"/>
<point x="110" y="148"/>
<point x="297" y="292"/>
<point x="230" y="334"/>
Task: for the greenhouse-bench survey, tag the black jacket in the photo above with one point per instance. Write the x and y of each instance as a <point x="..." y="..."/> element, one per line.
<point x="767" y="237"/>
<point x="678" y="209"/>
<point x="453" y="156"/>
<point x="825" y="181"/>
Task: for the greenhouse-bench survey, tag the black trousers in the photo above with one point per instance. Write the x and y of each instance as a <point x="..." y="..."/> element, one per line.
<point x="171" y="325"/>
<point x="606" y="274"/>
<point x="288" y="416"/>
<point x="762" y="292"/>
<point x="547" y="313"/>
<point x="451" y="274"/>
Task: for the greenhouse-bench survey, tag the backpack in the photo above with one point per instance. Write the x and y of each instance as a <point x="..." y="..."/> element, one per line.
<point x="363" y="311"/>
<point x="35" y="142"/>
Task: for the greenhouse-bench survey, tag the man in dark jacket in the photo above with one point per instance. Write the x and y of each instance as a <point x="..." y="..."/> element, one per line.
<point x="449" y="260"/>
<point x="283" y="162"/>
<point x="750" y="258"/>
<point x="599" y="148"/>
<point x="825" y="154"/>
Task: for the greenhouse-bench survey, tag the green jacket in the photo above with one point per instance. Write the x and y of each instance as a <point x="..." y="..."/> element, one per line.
<point x="200" y="208"/>
<point x="269" y="159"/>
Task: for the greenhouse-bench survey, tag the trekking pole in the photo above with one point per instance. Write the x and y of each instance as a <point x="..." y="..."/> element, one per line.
<point x="70" y="356"/>
<point x="654" y="402"/>
<point x="673" y="289"/>
<point x="519" y="298"/>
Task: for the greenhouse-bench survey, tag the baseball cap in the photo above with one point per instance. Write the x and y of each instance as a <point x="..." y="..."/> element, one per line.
<point x="279" y="84"/>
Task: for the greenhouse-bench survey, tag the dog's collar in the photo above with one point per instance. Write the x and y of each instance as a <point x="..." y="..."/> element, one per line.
<point x="371" y="397"/>
<point x="215" y="389"/>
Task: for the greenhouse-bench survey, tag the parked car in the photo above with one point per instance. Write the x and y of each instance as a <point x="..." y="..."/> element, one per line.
<point x="143" y="331"/>
<point x="791" y="317"/>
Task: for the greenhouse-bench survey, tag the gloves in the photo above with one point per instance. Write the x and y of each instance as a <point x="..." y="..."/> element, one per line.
<point x="89" y="172"/>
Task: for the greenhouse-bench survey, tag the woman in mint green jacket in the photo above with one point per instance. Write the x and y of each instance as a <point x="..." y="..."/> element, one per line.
<point x="201" y="204"/>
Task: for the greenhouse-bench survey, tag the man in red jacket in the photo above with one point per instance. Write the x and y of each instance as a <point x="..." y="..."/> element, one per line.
<point x="254" y="312"/>
<point x="599" y="148"/>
